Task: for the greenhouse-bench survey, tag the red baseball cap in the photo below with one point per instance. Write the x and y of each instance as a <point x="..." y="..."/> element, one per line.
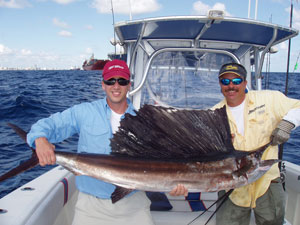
<point x="116" y="68"/>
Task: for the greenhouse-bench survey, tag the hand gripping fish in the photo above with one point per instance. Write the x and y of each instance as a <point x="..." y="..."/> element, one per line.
<point x="160" y="147"/>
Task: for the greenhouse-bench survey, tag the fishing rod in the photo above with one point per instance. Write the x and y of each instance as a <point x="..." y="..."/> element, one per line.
<point x="223" y="198"/>
<point x="296" y="65"/>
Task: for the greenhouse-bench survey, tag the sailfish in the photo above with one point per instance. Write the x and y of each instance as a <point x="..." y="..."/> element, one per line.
<point x="160" y="147"/>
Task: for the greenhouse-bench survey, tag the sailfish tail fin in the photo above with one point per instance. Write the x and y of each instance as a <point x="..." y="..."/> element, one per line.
<point x="30" y="163"/>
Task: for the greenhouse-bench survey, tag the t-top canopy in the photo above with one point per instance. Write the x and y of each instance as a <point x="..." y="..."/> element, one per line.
<point x="230" y="30"/>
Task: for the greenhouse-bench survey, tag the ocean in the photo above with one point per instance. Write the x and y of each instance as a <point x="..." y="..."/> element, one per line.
<point x="27" y="96"/>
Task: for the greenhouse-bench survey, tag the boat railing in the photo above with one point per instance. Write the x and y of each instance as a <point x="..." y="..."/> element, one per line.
<point x="258" y="76"/>
<point x="156" y="53"/>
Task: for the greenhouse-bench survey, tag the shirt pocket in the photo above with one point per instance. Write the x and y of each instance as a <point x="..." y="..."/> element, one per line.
<point x="260" y="127"/>
<point x="94" y="138"/>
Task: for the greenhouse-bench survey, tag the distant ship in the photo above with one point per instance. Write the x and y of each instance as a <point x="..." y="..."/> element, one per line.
<point x="94" y="64"/>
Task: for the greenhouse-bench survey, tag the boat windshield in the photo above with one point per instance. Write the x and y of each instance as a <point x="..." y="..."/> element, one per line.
<point x="184" y="80"/>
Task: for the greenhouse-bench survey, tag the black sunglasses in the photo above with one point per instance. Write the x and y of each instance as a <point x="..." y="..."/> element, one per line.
<point x="235" y="81"/>
<point x="112" y="81"/>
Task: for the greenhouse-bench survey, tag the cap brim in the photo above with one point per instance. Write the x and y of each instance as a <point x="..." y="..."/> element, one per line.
<point x="116" y="74"/>
<point x="231" y="72"/>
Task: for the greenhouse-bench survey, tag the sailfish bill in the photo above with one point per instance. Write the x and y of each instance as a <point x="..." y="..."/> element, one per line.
<point x="159" y="148"/>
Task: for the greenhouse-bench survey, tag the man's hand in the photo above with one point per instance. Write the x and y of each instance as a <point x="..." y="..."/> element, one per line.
<point x="45" y="151"/>
<point x="179" y="190"/>
<point x="282" y="133"/>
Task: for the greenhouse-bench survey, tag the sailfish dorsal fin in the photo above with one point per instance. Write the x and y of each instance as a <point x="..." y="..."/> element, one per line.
<point x="160" y="132"/>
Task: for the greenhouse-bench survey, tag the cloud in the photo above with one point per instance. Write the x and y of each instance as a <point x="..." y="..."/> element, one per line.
<point x="201" y="8"/>
<point x="40" y="59"/>
<point x="26" y="59"/>
<point x="5" y="50"/>
<point x="16" y="53"/>
<point x="65" y="33"/>
<point x="124" y="6"/>
<point x="88" y="52"/>
<point x="16" y="4"/>
<point x="26" y="52"/>
<point x="64" y="2"/>
<point x="61" y="24"/>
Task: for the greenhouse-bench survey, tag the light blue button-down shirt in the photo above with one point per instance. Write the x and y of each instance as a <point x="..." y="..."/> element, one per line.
<point x="92" y="122"/>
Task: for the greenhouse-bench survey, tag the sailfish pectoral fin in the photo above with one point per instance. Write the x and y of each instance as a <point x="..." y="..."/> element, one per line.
<point x="264" y="166"/>
<point x="268" y="163"/>
<point x="119" y="193"/>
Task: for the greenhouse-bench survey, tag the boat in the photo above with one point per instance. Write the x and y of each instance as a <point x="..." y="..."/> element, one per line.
<point x="158" y="51"/>
<point x="120" y="56"/>
<point x="94" y="64"/>
<point x="74" y="68"/>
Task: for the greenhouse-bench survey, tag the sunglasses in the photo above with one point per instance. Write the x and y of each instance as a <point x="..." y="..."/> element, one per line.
<point x="235" y="81"/>
<point x="112" y="81"/>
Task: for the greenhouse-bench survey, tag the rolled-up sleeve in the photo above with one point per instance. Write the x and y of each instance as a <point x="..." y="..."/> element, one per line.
<point x="55" y="128"/>
<point x="293" y="116"/>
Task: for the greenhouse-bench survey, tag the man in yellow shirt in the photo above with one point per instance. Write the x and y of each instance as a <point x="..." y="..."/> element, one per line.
<point x="256" y="118"/>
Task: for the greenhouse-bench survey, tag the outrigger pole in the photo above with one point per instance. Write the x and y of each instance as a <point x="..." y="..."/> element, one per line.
<point x="289" y="52"/>
<point x="280" y="153"/>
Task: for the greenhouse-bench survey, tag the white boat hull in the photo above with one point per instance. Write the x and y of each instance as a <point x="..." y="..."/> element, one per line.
<point x="50" y="199"/>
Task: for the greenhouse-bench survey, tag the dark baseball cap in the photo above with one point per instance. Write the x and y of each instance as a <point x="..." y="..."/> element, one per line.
<point x="234" y="68"/>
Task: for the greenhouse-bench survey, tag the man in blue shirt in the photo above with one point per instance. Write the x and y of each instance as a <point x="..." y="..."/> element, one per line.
<point x="95" y="122"/>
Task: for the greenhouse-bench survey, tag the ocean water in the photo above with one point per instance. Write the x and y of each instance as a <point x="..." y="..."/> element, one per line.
<point x="26" y="96"/>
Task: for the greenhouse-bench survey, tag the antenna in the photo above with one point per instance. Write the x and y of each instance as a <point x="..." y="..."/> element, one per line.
<point x="256" y="5"/>
<point x="130" y="13"/>
<point x="249" y="8"/>
<point x="113" y="17"/>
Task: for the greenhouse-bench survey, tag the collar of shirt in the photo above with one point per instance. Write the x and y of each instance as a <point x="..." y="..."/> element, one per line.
<point x="130" y="109"/>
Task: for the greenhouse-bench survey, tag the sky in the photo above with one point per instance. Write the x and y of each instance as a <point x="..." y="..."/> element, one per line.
<point x="61" y="34"/>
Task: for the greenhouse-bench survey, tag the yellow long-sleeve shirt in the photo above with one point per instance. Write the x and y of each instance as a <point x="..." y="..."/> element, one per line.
<point x="262" y="112"/>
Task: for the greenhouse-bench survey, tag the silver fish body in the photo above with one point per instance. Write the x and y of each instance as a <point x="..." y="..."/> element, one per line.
<point x="163" y="176"/>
